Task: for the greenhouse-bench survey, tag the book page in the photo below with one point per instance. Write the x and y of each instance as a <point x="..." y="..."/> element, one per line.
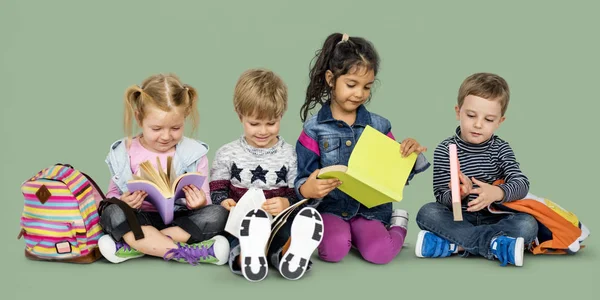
<point x="285" y="213"/>
<point x="162" y="173"/>
<point x="252" y="199"/>
<point x="332" y="169"/>
<point x="148" y="172"/>
<point x="170" y="171"/>
<point x="281" y="219"/>
<point x="143" y="174"/>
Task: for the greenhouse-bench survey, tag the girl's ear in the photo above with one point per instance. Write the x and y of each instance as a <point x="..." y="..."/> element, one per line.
<point x="329" y="78"/>
<point x="137" y="118"/>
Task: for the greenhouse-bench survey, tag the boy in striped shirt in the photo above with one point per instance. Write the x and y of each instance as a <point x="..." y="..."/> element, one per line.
<point x="484" y="158"/>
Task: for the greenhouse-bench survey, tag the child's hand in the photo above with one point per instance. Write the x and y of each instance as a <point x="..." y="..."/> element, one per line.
<point x="194" y="198"/>
<point x="466" y="186"/>
<point x="275" y="205"/>
<point x="315" y="188"/>
<point x="409" y="146"/>
<point x="228" y="203"/>
<point x="135" y="199"/>
<point x="487" y="194"/>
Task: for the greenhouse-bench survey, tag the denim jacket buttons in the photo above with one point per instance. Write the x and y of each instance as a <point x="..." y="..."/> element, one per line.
<point x="326" y="141"/>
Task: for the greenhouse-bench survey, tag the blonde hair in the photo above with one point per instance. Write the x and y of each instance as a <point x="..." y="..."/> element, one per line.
<point x="485" y="85"/>
<point x="164" y="91"/>
<point x="260" y="93"/>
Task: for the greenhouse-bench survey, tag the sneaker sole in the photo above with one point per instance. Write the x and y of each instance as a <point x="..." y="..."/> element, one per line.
<point x="519" y="248"/>
<point x="255" y="231"/>
<point x="306" y="235"/>
<point x="419" y="246"/>
<point x="108" y="248"/>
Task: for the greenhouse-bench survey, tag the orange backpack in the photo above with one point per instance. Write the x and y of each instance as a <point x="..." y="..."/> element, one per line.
<point x="560" y="231"/>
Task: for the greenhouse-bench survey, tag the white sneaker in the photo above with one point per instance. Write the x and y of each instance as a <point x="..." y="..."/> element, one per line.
<point x="116" y="252"/>
<point x="255" y="231"/>
<point x="306" y="235"/>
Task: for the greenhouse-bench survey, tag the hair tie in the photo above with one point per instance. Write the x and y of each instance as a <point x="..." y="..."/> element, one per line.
<point x="345" y="38"/>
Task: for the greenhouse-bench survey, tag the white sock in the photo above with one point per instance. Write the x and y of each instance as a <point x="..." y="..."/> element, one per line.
<point x="399" y="218"/>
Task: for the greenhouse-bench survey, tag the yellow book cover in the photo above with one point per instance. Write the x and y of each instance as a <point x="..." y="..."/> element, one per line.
<point x="376" y="173"/>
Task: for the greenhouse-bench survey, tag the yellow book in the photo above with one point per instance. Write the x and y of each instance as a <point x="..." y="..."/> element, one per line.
<point x="376" y="173"/>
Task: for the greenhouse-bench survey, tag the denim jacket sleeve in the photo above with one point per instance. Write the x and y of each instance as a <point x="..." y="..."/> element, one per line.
<point x="307" y="152"/>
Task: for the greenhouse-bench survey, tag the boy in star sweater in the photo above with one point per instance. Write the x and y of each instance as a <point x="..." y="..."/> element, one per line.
<point x="261" y="159"/>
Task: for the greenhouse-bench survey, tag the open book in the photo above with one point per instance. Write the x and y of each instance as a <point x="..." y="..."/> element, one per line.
<point x="253" y="199"/>
<point x="376" y="173"/>
<point x="163" y="188"/>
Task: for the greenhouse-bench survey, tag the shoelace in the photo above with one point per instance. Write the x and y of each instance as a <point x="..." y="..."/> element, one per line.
<point x="190" y="253"/>
<point x="124" y="246"/>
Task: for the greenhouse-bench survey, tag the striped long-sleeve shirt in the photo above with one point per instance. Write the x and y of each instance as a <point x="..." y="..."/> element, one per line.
<point x="487" y="162"/>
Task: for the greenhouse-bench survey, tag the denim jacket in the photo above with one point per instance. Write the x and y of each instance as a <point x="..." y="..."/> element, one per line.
<point x="188" y="153"/>
<point x="326" y="141"/>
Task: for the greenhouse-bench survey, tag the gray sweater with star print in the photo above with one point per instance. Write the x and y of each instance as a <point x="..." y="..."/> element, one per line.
<point x="238" y="166"/>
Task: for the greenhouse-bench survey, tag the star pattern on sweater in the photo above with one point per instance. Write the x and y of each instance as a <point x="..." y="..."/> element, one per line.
<point x="281" y="175"/>
<point x="259" y="174"/>
<point x="235" y="172"/>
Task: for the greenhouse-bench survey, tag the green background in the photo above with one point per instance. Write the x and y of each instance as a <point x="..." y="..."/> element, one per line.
<point x="65" y="66"/>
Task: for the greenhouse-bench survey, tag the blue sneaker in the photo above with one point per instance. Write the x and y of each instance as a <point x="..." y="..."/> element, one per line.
<point x="431" y="245"/>
<point x="508" y="250"/>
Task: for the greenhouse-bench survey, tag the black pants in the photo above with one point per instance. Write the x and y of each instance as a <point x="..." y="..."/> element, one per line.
<point x="202" y="224"/>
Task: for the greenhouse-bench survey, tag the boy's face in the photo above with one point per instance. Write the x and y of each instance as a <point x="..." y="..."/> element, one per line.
<point x="479" y="118"/>
<point x="260" y="133"/>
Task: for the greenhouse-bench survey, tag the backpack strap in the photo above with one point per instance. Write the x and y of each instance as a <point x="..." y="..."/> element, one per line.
<point x="134" y="225"/>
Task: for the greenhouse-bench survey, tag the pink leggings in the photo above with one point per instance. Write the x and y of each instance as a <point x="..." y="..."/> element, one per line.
<point x="373" y="240"/>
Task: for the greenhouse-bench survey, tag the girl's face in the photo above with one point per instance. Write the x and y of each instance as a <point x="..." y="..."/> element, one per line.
<point x="351" y="90"/>
<point x="161" y="130"/>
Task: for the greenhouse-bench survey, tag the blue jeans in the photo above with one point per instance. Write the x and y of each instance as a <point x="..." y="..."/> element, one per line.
<point x="477" y="229"/>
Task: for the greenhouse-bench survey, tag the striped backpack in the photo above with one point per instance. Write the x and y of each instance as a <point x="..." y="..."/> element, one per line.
<point x="60" y="219"/>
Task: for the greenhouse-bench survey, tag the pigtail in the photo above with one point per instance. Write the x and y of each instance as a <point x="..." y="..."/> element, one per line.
<point x="192" y="108"/>
<point x="318" y="90"/>
<point x="133" y="99"/>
